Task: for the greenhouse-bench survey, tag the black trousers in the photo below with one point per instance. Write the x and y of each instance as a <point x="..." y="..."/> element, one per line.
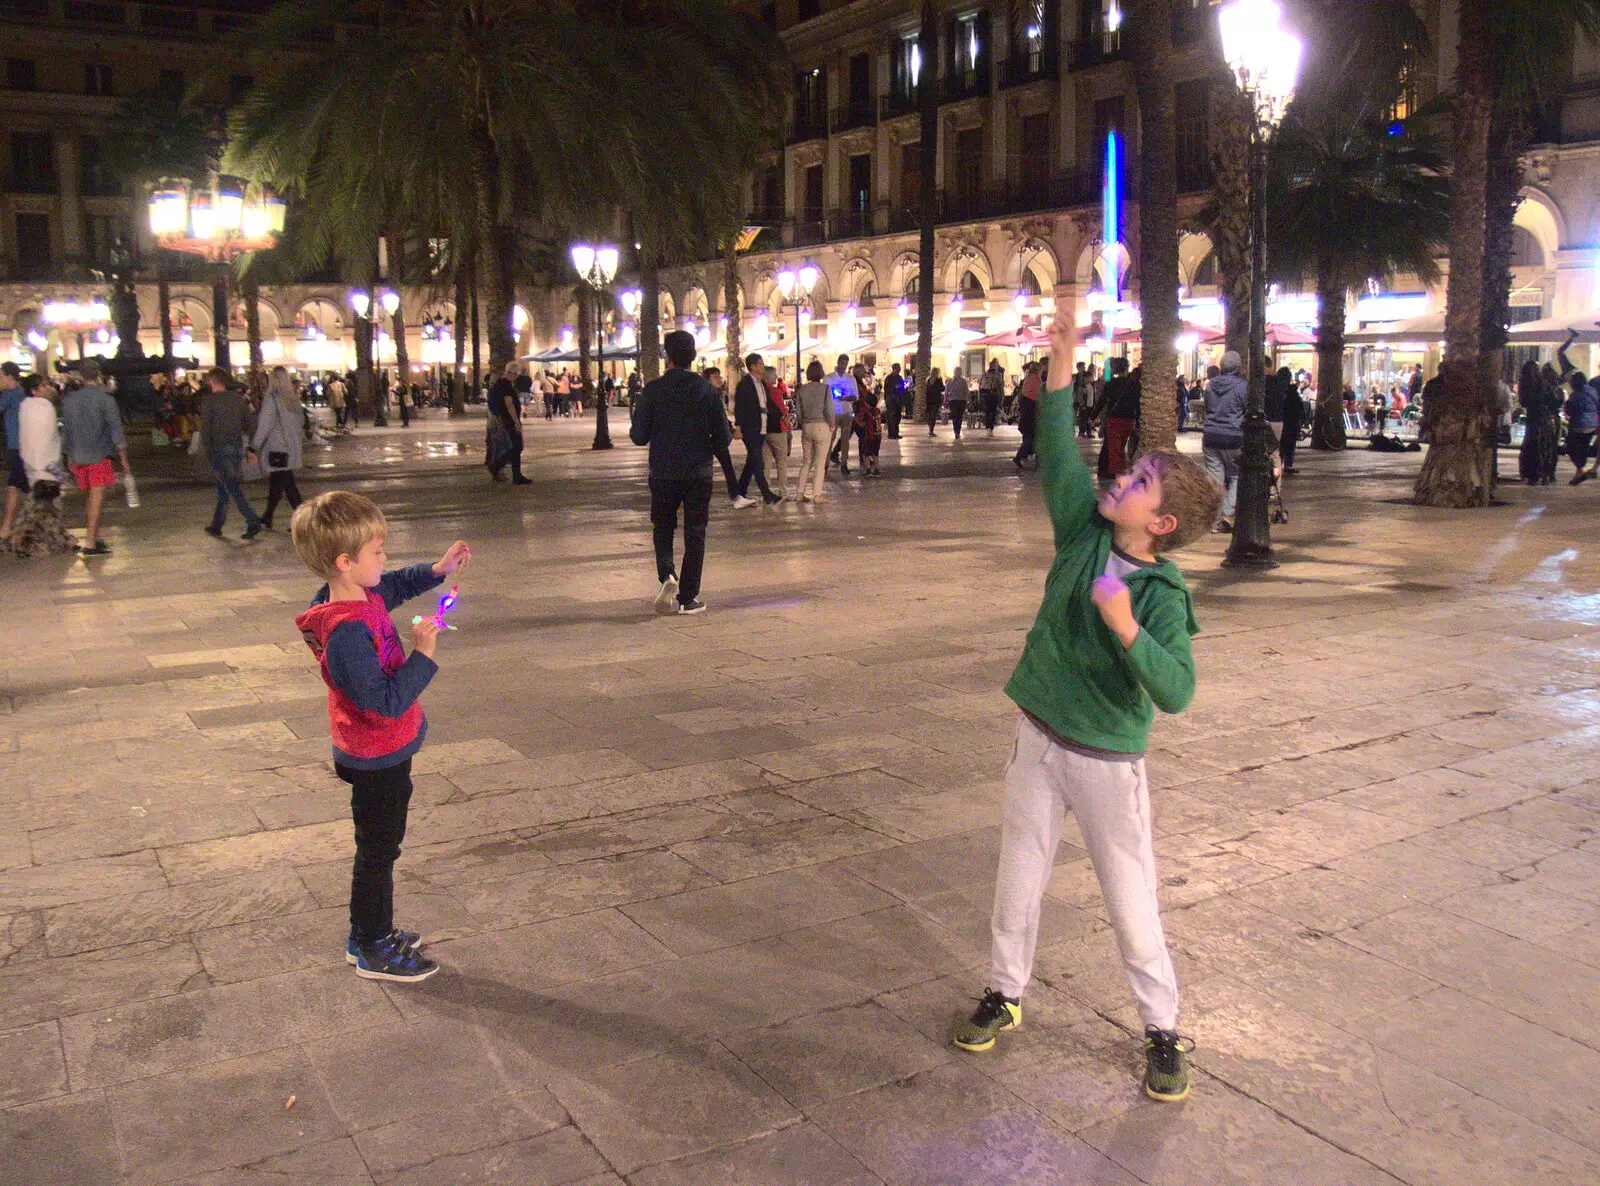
<point x="725" y="460"/>
<point x="755" y="466"/>
<point x="1287" y="443"/>
<point x="378" y="803"/>
<point x="280" y="484"/>
<point x="893" y="418"/>
<point x="514" y="431"/>
<point x="1028" y="422"/>
<point x="405" y="415"/>
<point x="694" y="496"/>
<point x="958" y="415"/>
<point x="991" y="411"/>
<point x="933" y="413"/>
<point x="1578" y="446"/>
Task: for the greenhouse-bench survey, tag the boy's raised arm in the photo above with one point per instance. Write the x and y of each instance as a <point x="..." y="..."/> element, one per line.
<point x="400" y="586"/>
<point x="1069" y="490"/>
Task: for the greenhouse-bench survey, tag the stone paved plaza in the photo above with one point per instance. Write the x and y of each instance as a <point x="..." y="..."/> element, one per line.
<point x="709" y="892"/>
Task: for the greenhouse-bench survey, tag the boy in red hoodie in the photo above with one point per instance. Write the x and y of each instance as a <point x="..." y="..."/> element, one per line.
<point x="373" y="688"/>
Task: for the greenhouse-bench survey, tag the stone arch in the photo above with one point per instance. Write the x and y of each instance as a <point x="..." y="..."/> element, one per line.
<point x="1541" y="218"/>
<point x="856" y="279"/>
<point x="695" y="303"/>
<point x="901" y="273"/>
<point x="1193" y="251"/>
<point x="963" y="259"/>
<point x="1094" y="265"/>
<point x="322" y="313"/>
<point x="196" y="311"/>
<point x="668" y="310"/>
<point x="1037" y="258"/>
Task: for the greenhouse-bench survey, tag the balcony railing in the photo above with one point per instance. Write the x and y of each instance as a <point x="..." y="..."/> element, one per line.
<point x="764" y="216"/>
<point x="808" y="125"/>
<point x="897" y="103"/>
<point x="966" y="84"/>
<point x="858" y="113"/>
<point x="810" y="231"/>
<point x="850" y="224"/>
<point x="1021" y="69"/>
<point x="1091" y="51"/>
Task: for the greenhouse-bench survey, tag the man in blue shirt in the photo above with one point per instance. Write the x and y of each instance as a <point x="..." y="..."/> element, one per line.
<point x="842" y="387"/>
<point x="11" y="397"/>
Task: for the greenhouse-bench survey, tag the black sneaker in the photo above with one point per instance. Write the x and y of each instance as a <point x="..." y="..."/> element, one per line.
<point x="692" y="607"/>
<point x="213" y="530"/>
<point x="99" y="548"/>
<point x="352" y="947"/>
<point x="253" y="530"/>
<point x="1166" y="1076"/>
<point x="995" y="1014"/>
<point x="388" y="960"/>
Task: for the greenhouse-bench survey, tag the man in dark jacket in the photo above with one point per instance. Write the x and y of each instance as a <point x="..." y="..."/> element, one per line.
<point x="750" y="418"/>
<point x="1120" y="405"/>
<point x="505" y="405"/>
<point x="683" y="422"/>
<point x="894" y="392"/>
<point x="1224" y="432"/>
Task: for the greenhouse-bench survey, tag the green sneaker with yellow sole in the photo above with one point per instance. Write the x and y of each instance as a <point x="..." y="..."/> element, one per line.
<point x="994" y="1015"/>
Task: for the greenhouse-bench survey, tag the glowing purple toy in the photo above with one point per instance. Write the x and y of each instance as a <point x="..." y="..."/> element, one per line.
<point x="446" y="604"/>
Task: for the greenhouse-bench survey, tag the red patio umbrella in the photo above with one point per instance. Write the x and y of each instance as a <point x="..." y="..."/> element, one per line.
<point x="1278" y="334"/>
<point x="1022" y="338"/>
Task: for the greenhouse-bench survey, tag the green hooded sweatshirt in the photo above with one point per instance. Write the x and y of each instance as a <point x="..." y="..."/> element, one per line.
<point x="1074" y="674"/>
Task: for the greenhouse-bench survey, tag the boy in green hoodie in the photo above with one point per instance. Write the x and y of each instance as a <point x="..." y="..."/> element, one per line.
<point x="1110" y="645"/>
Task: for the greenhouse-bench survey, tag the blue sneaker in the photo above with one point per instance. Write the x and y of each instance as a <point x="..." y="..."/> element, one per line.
<point x="408" y="938"/>
<point x="388" y="960"/>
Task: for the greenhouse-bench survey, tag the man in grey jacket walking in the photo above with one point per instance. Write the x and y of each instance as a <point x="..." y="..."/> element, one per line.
<point x="225" y="421"/>
<point x="1224" y="432"/>
<point x="91" y="433"/>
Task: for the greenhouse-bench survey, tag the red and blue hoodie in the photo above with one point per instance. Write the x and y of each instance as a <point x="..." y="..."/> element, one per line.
<point x="373" y="686"/>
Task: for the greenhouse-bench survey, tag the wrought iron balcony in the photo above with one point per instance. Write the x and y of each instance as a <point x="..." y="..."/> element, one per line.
<point x="858" y="113"/>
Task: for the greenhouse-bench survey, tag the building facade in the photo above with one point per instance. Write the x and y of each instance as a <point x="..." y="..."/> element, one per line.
<point x="1030" y="93"/>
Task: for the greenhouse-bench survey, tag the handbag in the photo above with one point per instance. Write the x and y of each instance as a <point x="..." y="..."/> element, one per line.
<point x="277" y="460"/>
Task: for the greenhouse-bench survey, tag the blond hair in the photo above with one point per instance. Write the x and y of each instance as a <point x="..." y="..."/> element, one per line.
<point x="331" y="525"/>
<point x="1189" y="494"/>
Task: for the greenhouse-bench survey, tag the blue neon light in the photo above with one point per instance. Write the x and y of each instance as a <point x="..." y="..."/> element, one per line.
<point x="1111" y="207"/>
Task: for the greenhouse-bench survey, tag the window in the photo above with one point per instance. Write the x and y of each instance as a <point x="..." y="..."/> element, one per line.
<point x="96" y="178"/>
<point x="968" y="170"/>
<point x="1108" y="118"/>
<point x="239" y="86"/>
<point x="968" y="60"/>
<point x="105" y="231"/>
<point x="97" y="79"/>
<point x="33" y="245"/>
<point x="860" y="196"/>
<point x="860" y="80"/>
<point x="810" y="97"/>
<point x="1193" y="99"/>
<point x="911" y="175"/>
<point x="21" y="74"/>
<point x="1405" y="102"/>
<point x="971" y="287"/>
<point x="172" y="83"/>
<point x="813" y="193"/>
<point x="1033" y="165"/>
<point x="905" y="69"/>
<point x="1101" y="26"/>
<point x="33" y="163"/>
<point x="1032" y="32"/>
<point x="771" y="193"/>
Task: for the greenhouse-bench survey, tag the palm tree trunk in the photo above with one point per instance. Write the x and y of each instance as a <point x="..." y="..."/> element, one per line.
<point x="458" y="389"/>
<point x="250" y="292"/>
<point x="1456" y="471"/>
<point x="1327" y="423"/>
<point x="1158" y="224"/>
<point x="219" y="321"/>
<point x="477" y="340"/>
<point x="649" y="314"/>
<point x="928" y="215"/>
<point x="164" y="311"/>
<point x="732" y="337"/>
<point x="397" y="319"/>
<point x="499" y="254"/>
<point x="1508" y="139"/>
<point x="364" y="393"/>
<point x="1229" y="131"/>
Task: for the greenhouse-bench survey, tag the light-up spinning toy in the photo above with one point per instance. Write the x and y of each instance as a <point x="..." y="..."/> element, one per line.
<point x="446" y="604"/>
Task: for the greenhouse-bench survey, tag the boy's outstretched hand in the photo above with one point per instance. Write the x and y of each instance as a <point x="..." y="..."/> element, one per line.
<point x="1111" y="598"/>
<point x="424" y="636"/>
<point x="457" y="555"/>
<point x="1063" y="334"/>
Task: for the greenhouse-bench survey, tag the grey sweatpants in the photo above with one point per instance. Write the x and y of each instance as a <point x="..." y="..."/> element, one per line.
<point x="1111" y="802"/>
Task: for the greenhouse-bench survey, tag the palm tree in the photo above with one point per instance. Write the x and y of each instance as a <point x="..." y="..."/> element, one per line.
<point x="928" y="214"/>
<point x="1346" y="207"/>
<point x="1150" y="33"/>
<point x="1227" y="216"/>
<point x="730" y="304"/>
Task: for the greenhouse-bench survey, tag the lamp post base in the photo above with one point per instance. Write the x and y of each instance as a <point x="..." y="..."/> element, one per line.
<point x="1252" y="533"/>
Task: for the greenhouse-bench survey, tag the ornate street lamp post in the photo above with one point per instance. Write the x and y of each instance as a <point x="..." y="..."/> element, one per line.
<point x="597" y="267"/>
<point x="796" y="288"/>
<point x="1265" y="61"/>
<point x="218" y="223"/>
